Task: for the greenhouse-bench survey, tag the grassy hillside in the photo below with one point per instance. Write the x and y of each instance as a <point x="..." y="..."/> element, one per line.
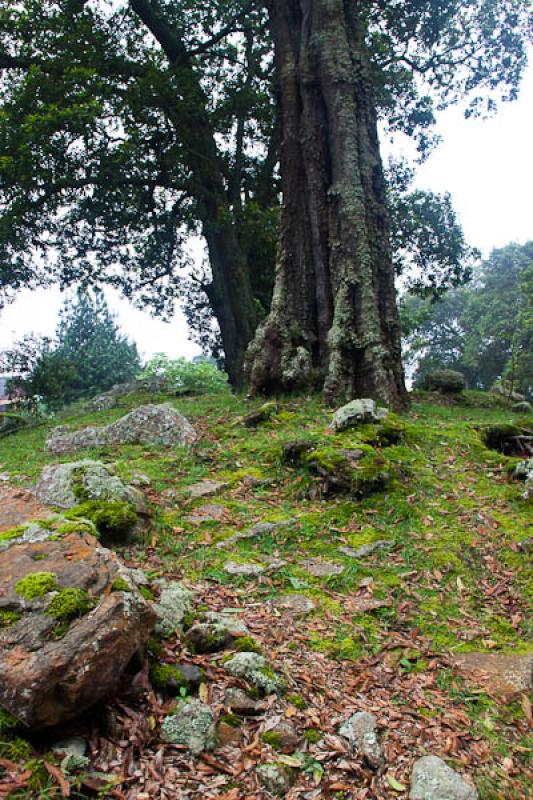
<point x="386" y="628"/>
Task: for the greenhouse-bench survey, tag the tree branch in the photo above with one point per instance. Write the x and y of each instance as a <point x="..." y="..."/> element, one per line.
<point x="162" y="31"/>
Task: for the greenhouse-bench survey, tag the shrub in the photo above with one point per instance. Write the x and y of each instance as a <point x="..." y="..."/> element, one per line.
<point x="184" y="377"/>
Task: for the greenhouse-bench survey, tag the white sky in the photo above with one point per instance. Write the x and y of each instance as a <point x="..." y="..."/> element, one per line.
<point x="487" y="165"/>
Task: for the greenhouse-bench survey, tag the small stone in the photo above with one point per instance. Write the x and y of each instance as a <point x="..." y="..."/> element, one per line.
<point x="210" y="512"/>
<point x="275" y="778"/>
<point x="286" y="735"/>
<point x="71" y="752"/>
<point x="361" y="732"/>
<point x="295" y="604"/>
<point x="526" y="545"/>
<point x="243" y="568"/>
<point x="433" y="779"/>
<point x="74" y="746"/>
<point x="261" y="414"/>
<point x="253" y="668"/>
<point x="228" y="735"/>
<point x="238" y="701"/>
<point x="216" y="633"/>
<point x="358" y="412"/>
<point x="320" y="568"/>
<point x="206" y="488"/>
<point x="366" y="549"/>
<point x="260" y="529"/>
<point x="191" y="726"/>
<point x="175" y="601"/>
<point x="503" y="675"/>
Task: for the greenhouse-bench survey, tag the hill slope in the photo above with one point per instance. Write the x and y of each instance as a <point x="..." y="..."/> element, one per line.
<point x="392" y="629"/>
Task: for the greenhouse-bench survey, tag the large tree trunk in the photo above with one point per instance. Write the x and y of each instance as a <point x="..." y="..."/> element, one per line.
<point x="334" y="322"/>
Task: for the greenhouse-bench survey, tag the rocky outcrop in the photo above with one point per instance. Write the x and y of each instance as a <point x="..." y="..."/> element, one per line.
<point x="71" y="620"/>
<point x="152" y="424"/>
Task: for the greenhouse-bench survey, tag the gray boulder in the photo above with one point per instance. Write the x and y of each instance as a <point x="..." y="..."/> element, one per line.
<point x="433" y="779"/>
<point x="152" y="424"/>
<point x="191" y="725"/>
<point x="524" y="472"/>
<point x="358" y="412"/>
<point x="66" y="485"/>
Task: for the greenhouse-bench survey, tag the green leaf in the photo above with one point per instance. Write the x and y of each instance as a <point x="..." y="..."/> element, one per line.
<point x="396" y="785"/>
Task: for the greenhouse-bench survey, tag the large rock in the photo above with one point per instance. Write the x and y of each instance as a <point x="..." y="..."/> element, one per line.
<point x="433" y="779"/>
<point x="66" y="485"/>
<point x="71" y="620"/>
<point x="447" y="381"/>
<point x="358" y="412"/>
<point x="151" y="424"/>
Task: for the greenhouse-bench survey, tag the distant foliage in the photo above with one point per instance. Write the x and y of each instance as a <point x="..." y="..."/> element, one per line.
<point x="484" y="330"/>
<point x="186" y="377"/>
<point x="87" y="355"/>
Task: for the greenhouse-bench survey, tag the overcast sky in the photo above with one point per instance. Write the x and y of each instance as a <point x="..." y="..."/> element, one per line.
<point x="487" y="165"/>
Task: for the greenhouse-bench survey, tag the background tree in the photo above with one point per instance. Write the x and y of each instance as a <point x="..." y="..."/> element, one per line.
<point x="333" y="320"/>
<point x="88" y="354"/>
<point x="485" y="330"/>
<point x="125" y="128"/>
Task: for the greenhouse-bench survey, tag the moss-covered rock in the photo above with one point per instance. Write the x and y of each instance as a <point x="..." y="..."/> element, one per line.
<point x="173" y="677"/>
<point x="506" y="438"/>
<point x="255" y="670"/>
<point x="113" y="520"/>
<point x="359" y="471"/>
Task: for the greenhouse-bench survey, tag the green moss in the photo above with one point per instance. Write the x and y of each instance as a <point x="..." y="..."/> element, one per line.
<point x="167" y="677"/>
<point x="68" y="604"/>
<point x="272" y="738"/>
<point x="312" y="735"/>
<point x="297" y="701"/>
<point x="232" y="720"/>
<point x="81" y="526"/>
<point x="246" y="644"/>
<point x="7" y="721"/>
<point x="112" y="518"/>
<point x="16" y="750"/>
<point x="155" y="648"/>
<point x="147" y="594"/>
<point x="12" y="533"/>
<point x="36" y="585"/>
<point x="8" y="618"/>
<point x="120" y="585"/>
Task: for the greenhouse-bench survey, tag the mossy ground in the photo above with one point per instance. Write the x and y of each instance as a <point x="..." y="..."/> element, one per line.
<point x="454" y="579"/>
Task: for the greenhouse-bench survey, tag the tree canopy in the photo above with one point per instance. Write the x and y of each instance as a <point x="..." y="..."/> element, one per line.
<point x="126" y="126"/>
<point x="485" y="330"/>
<point x="88" y="354"/>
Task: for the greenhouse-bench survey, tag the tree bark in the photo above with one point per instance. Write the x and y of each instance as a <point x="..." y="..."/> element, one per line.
<point x="334" y="322"/>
